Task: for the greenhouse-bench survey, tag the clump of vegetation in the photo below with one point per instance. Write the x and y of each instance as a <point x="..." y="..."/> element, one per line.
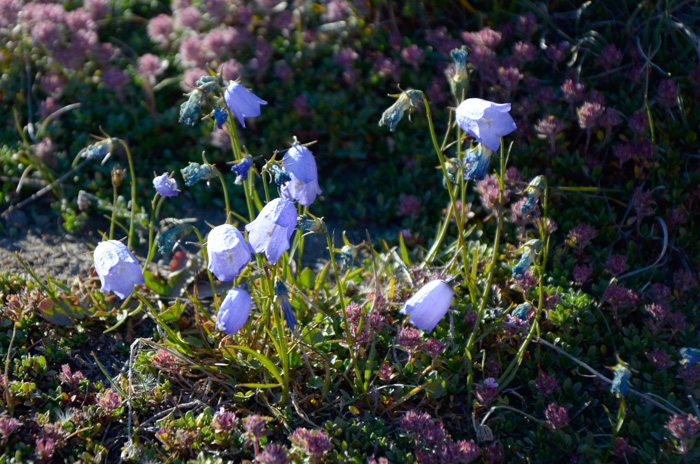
<point x="531" y="299"/>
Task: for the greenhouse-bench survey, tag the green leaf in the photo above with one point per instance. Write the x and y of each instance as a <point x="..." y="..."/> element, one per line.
<point x="259" y="385"/>
<point x="404" y="251"/>
<point x="306" y="278"/>
<point x="158" y="285"/>
<point x="263" y="359"/>
<point x="174" y="312"/>
<point x="321" y="276"/>
<point x="62" y="310"/>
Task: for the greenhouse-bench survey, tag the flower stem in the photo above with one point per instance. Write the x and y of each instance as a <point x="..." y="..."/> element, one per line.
<point x="282" y="348"/>
<point x="133" y="192"/>
<point x="238" y="155"/>
<point x="540" y="267"/>
<point x="341" y="296"/>
<point x="453" y="200"/>
<point x="155" y="209"/>
<point x="223" y="186"/>
<point x="492" y="267"/>
<point x="114" y="211"/>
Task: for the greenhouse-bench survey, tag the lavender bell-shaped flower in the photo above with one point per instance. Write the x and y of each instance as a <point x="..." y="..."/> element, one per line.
<point x="272" y="229"/>
<point x="234" y="311"/>
<point x="429" y="305"/>
<point x="301" y="166"/>
<point x="242" y="102"/>
<point x="477" y="162"/>
<point x="228" y="252"/>
<point x="118" y="269"/>
<point x="486" y="121"/>
<point x="166" y="186"/>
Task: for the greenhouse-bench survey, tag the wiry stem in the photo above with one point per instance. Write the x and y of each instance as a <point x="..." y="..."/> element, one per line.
<point x="492" y="267"/>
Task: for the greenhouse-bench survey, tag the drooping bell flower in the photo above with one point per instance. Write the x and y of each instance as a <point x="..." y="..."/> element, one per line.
<point x="272" y="229"/>
<point x="241" y="169"/>
<point x="242" y="102"/>
<point x="234" y="311"/>
<point x="299" y="162"/>
<point x="282" y="297"/>
<point x="477" y="162"/>
<point x="228" y="252"/>
<point x="117" y="268"/>
<point x="529" y="252"/>
<point x="220" y="116"/>
<point x="166" y="186"/>
<point x="486" y="121"/>
<point x="429" y="305"/>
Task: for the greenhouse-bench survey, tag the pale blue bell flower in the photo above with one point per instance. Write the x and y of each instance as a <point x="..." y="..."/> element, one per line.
<point x="117" y="268"/>
<point x="166" y="186"/>
<point x="299" y="162"/>
<point x="270" y="232"/>
<point x="429" y="305"/>
<point x="228" y="252"/>
<point x="486" y="121"/>
<point x="242" y="102"/>
<point x="234" y="311"/>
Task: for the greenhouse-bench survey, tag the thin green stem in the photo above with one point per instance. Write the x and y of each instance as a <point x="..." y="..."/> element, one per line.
<point x="492" y="268"/>
<point x="156" y="203"/>
<point x="512" y="368"/>
<point x="114" y="210"/>
<point x="223" y="186"/>
<point x="453" y="200"/>
<point x="440" y="237"/>
<point x="284" y="354"/>
<point x="206" y="260"/>
<point x="348" y="333"/>
<point x="238" y="155"/>
<point x="133" y="192"/>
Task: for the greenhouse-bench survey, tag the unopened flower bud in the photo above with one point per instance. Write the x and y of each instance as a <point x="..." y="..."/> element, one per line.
<point x="117" y="175"/>
<point x="459" y="82"/>
<point x="83" y="200"/>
